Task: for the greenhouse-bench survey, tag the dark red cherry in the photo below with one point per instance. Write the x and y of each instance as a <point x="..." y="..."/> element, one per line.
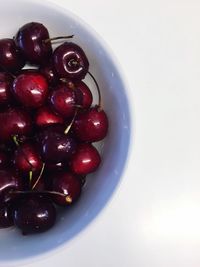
<point x="45" y="132"/>
<point x="85" y="160"/>
<point x="6" y="215"/>
<point x="68" y="184"/>
<point x="57" y="147"/>
<point x="45" y="117"/>
<point x="31" y="40"/>
<point x="91" y="125"/>
<point x="87" y="97"/>
<point x="49" y="72"/>
<point x="4" y="160"/>
<point x="14" y="121"/>
<point x="56" y="166"/>
<point x="64" y="100"/>
<point x="6" y="81"/>
<point x="30" y="89"/>
<point x="9" y="181"/>
<point x="27" y="158"/>
<point x="11" y="58"/>
<point x="35" y="214"/>
<point x="70" y="61"/>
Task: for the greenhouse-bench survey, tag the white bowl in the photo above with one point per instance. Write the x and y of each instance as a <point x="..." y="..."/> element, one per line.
<point x="15" y="248"/>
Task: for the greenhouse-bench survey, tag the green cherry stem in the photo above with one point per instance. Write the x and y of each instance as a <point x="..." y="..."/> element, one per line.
<point x="72" y="121"/>
<point x="58" y="38"/>
<point x="30" y="177"/>
<point x="15" y="140"/>
<point x="39" y="177"/>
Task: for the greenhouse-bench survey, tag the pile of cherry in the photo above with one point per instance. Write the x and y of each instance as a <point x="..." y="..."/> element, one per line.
<point x="47" y="127"/>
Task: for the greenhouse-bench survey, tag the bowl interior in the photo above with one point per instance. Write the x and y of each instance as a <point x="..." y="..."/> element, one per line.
<point x="114" y="149"/>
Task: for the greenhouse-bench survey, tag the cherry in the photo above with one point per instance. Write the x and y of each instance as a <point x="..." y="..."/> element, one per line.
<point x="45" y="132"/>
<point x="27" y="158"/>
<point x="9" y="181"/>
<point x="30" y="89"/>
<point x="45" y="116"/>
<point x="91" y="125"/>
<point x="14" y="121"/>
<point x="57" y="147"/>
<point x="85" y="160"/>
<point x="70" y="61"/>
<point x="49" y="72"/>
<point x="35" y="214"/>
<point x="5" y="87"/>
<point x="4" y="161"/>
<point x="67" y="184"/>
<point x="64" y="99"/>
<point x="86" y="94"/>
<point x="11" y="58"/>
<point x="6" y="218"/>
<point x="30" y="39"/>
<point x="56" y="166"/>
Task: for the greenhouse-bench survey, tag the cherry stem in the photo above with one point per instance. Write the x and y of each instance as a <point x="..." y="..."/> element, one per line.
<point x="39" y="192"/>
<point x="58" y="38"/>
<point x="39" y="177"/>
<point x="98" y="89"/>
<point x="30" y="177"/>
<point x="72" y="121"/>
<point x="15" y="140"/>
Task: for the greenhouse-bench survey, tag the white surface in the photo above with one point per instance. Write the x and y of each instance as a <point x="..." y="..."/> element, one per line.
<point x="153" y="219"/>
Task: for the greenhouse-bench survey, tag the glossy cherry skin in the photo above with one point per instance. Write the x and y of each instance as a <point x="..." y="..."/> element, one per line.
<point x="91" y="125"/>
<point x="35" y="214"/>
<point x="45" y="117"/>
<point x="44" y="133"/>
<point x="64" y="100"/>
<point x="65" y="56"/>
<point x="11" y="58"/>
<point x="50" y="74"/>
<point x="87" y="97"/>
<point x="30" y="89"/>
<point x="6" y="215"/>
<point x="65" y="183"/>
<point x="56" y="166"/>
<point x="31" y="40"/>
<point x="6" y="81"/>
<point x="57" y="147"/>
<point x="14" y="121"/>
<point x="9" y="181"/>
<point x="27" y="158"/>
<point x="85" y="160"/>
<point x="4" y="161"/>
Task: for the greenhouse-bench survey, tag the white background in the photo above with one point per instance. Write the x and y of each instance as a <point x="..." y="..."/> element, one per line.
<point x="153" y="220"/>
